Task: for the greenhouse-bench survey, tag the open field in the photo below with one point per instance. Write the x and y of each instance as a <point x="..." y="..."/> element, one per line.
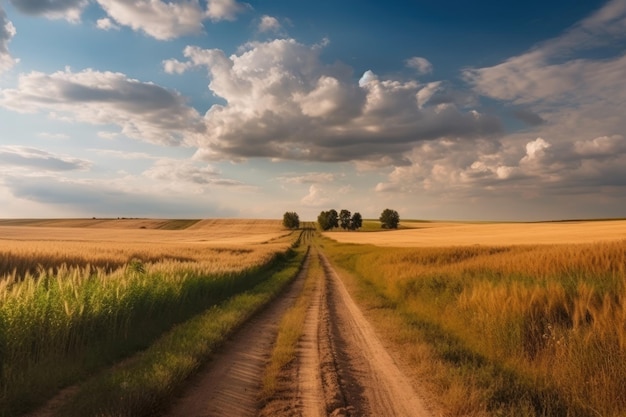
<point x="530" y="330"/>
<point x="214" y="231"/>
<point x="442" y="234"/>
<point x="489" y="327"/>
<point x="74" y="299"/>
<point x="27" y="246"/>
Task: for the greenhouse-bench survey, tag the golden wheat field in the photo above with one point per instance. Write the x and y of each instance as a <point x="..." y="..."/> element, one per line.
<point x="442" y="234"/>
<point x="220" y="244"/>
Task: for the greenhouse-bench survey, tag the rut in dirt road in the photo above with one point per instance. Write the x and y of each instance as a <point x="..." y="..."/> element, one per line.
<point x="230" y="383"/>
<point x="369" y="383"/>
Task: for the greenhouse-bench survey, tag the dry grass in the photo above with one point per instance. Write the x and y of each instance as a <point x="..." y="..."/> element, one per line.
<point x="443" y="234"/>
<point x="213" y="245"/>
<point x="537" y="330"/>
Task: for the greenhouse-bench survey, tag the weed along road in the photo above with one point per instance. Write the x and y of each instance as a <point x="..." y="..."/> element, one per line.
<point x="340" y="368"/>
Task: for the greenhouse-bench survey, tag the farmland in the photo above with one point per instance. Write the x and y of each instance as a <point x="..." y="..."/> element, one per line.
<point x="501" y="319"/>
<point x="445" y="234"/>
<point x="481" y="319"/>
<point x="75" y="298"/>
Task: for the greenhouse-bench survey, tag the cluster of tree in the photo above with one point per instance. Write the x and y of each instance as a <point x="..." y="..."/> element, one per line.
<point x="344" y="219"/>
<point x="389" y="219"/>
<point x="291" y="220"/>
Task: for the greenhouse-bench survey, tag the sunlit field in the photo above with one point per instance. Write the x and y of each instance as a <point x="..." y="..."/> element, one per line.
<point x="438" y="234"/>
<point x="76" y="295"/>
<point x="508" y="319"/>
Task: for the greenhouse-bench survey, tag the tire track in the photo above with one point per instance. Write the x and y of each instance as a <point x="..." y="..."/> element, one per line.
<point x="370" y="381"/>
<point x="230" y="384"/>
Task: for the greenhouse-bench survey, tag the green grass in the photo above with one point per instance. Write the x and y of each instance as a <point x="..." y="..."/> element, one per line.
<point x="144" y="385"/>
<point x="58" y="329"/>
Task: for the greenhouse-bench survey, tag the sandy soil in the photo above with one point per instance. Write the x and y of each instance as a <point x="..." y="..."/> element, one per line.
<point x="230" y="384"/>
<point x="465" y="234"/>
<point x="342" y="368"/>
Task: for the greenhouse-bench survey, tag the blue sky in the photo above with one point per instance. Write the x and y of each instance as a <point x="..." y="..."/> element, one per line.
<point x="438" y="109"/>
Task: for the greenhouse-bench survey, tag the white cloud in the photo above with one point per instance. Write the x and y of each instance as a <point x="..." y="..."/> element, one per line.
<point x="111" y="197"/>
<point x="143" y="111"/>
<point x="269" y="24"/>
<point x="7" y="31"/>
<point x="552" y="75"/>
<point x="419" y="64"/>
<point x="225" y="9"/>
<point x="33" y="158"/>
<point x="284" y="102"/>
<point x="316" y="197"/>
<point x="162" y="20"/>
<point x="601" y="146"/>
<point x="535" y="149"/>
<point x="177" y="171"/>
<point x="106" y="24"/>
<point x="69" y="10"/>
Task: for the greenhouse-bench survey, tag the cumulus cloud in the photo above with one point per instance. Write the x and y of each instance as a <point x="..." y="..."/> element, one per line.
<point x="282" y="101"/>
<point x="7" y="31"/>
<point x="570" y="101"/>
<point x="162" y="20"/>
<point x="38" y="159"/>
<point x="225" y="9"/>
<point x="419" y="64"/>
<point x="69" y="10"/>
<point x="316" y="197"/>
<point x="536" y="167"/>
<point x="269" y="24"/>
<point x="143" y="111"/>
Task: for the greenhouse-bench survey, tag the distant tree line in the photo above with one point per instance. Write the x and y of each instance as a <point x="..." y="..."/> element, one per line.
<point x="327" y="220"/>
<point x="389" y="219"/>
<point x="347" y="221"/>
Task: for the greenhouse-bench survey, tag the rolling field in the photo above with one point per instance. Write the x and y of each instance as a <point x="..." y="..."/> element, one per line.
<point x="501" y="319"/>
<point x="444" y="234"/>
<point x="99" y="290"/>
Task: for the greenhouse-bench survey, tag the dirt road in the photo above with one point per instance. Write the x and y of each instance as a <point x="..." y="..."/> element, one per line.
<point x="359" y="377"/>
<point x="342" y="368"/>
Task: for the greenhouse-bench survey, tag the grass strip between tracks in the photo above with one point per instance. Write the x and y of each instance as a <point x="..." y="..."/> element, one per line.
<point x="145" y="384"/>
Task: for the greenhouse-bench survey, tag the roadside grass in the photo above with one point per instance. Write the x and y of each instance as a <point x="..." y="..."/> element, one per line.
<point x="65" y="323"/>
<point x="515" y="331"/>
<point x="145" y="384"/>
<point x="290" y="330"/>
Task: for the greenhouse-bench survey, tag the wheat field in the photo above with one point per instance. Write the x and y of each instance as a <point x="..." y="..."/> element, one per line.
<point x="443" y="234"/>
<point x="99" y="290"/>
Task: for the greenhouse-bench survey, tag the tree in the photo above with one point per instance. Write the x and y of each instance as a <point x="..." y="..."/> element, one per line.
<point x="333" y="218"/>
<point x="291" y="220"/>
<point x="344" y="219"/>
<point x="389" y="219"/>
<point x="328" y="219"/>
<point x="356" y="222"/>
